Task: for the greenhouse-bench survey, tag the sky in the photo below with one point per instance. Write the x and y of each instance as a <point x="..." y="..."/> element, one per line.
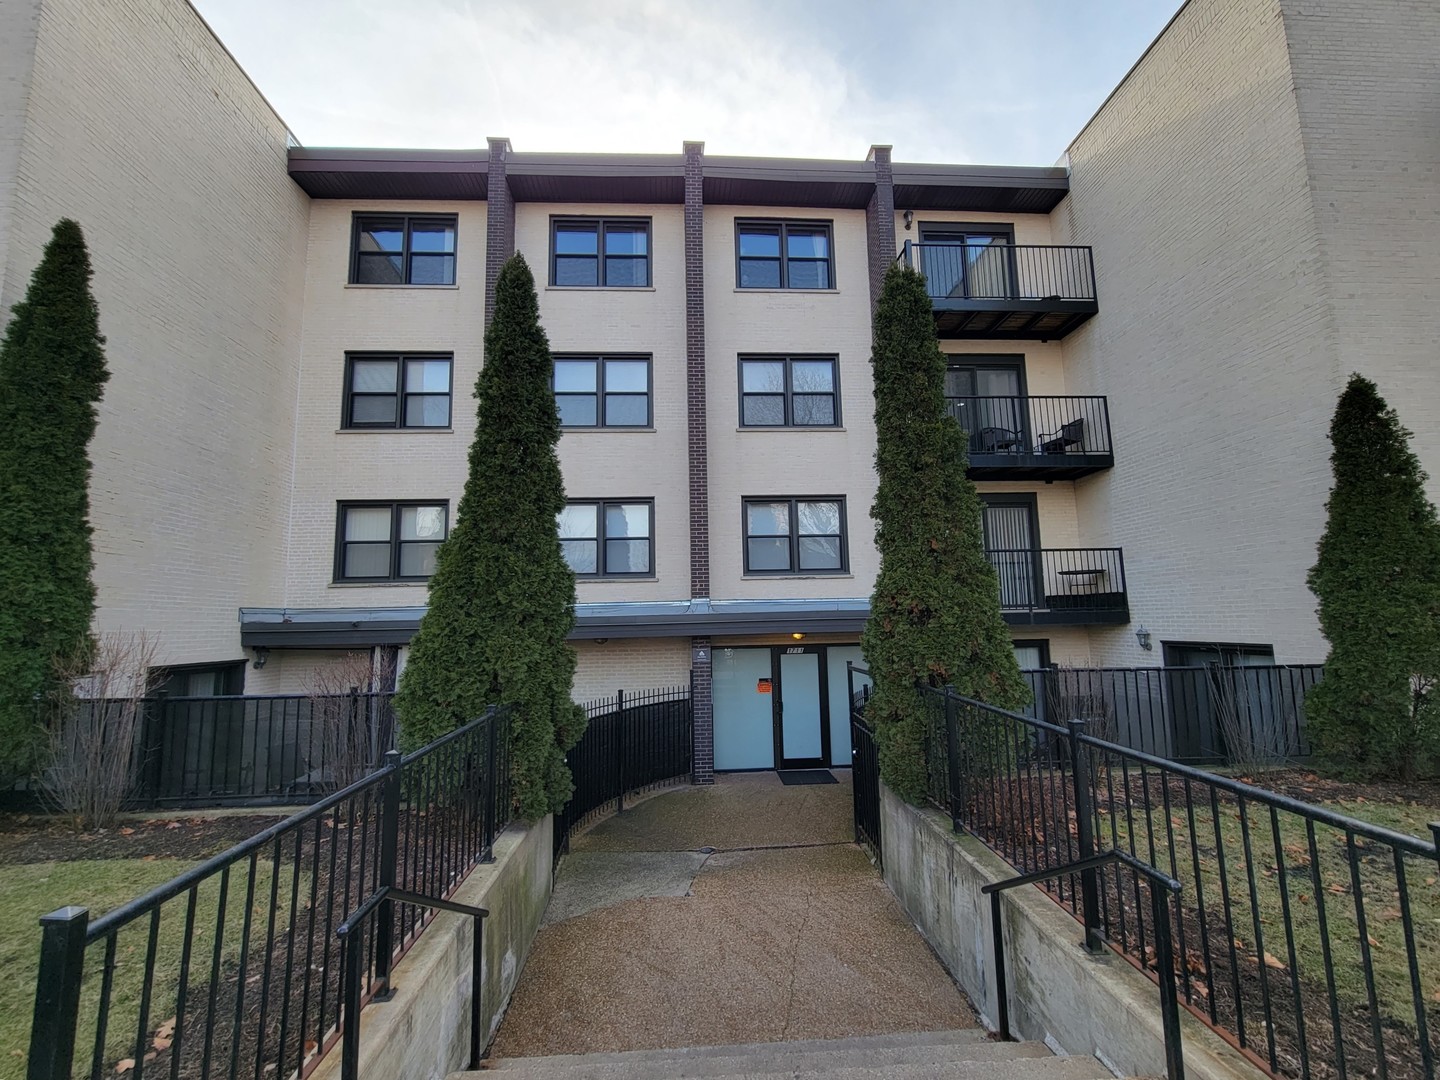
<point x="965" y="81"/>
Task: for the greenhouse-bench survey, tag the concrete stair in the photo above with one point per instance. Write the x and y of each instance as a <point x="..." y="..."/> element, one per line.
<point x="934" y="1055"/>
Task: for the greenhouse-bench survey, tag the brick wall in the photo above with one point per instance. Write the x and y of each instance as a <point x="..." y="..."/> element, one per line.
<point x="19" y="21"/>
<point x="1369" y="106"/>
<point x="1213" y="342"/>
<point x="334" y="465"/>
<point x="629" y="664"/>
<point x="175" y="167"/>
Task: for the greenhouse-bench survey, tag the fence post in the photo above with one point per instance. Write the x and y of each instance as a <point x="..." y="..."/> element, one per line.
<point x="57" y="993"/>
<point x="477" y="985"/>
<point x="354" y="960"/>
<point x="492" y="796"/>
<point x="389" y="849"/>
<point x="1165" y="973"/>
<point x="952" y="760"/>
<point x="619" y="733"/>
<point x="1085" y="836"/>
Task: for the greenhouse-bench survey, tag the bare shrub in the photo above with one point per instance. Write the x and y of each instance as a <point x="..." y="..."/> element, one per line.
<point x="1075" y="694"/>
<point x="93" y="725"/>
<point x="344" y="718"/>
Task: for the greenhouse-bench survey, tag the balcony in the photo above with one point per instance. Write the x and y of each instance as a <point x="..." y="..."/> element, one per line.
<point x="1035" y="438"/>
<point x="1061" y="586"/>
<point x="1005" y="291"/>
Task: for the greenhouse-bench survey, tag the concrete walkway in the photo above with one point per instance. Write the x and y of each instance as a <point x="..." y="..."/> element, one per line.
<point x="736" y="913"/>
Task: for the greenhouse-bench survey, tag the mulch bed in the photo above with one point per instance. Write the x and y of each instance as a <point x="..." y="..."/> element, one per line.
<point x="37" y="838"/>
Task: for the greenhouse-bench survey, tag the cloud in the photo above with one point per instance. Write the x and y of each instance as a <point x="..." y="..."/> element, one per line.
<point x="803" y="78"/>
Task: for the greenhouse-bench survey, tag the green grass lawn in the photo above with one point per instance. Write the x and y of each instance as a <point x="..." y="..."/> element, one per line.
<point x="28" y="891"/>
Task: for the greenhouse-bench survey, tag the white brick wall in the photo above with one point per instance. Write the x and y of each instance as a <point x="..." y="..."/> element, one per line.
<point x="1213" y="342"/>
<point x="600" y="463"/>
<point x="795" y="462"/>
<point x="142" y="128"/>
<point x="629" y="664"/>
<point x="334" y="465"/>
<point x="1369" y="105"/>
<point x="19" y="20"/>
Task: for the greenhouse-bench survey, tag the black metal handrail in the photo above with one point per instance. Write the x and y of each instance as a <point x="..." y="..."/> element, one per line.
<point x="1000" y="272"/>
<point x="1164" y="940"/>
<point x="352" y="940"/>
<point x="1279" y="944"/>
<point x="1043" y="426"/>
<point x="255" y="985"/>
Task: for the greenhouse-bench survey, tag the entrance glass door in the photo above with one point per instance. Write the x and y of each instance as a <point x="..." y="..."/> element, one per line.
<point x="802" y="712"/>
<point x="987" y="403"/>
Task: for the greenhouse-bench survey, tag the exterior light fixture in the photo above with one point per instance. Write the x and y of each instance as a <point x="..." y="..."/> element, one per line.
<point x="798" y="636"/>
<point x="1142" y="635"/>
<point x="909" y="219"/>
<point x="262" y="655"/>
<point x="601" y="640"/>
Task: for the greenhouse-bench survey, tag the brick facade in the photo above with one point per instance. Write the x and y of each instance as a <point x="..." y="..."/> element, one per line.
<point x="880" y="221"/>
<point x="499" y="221"/>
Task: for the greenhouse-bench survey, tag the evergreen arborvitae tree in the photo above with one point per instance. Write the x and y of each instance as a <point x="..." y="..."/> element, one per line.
<point x="1378" y="582"/>
<point x="502" y="597"/>
<point x="935" y="614"/>
<point x="52" y="371"/>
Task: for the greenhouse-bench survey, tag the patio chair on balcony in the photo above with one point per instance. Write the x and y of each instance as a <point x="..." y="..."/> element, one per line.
<point x="1060" y="442"/>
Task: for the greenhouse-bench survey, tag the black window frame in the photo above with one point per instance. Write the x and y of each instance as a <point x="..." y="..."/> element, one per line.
<point x="601" y="269"/>
<point x="394" y="542"/>
<point x="407" y="222"/>
<point x="401" y="395"/>
<point x="600" y="394"/>
<point x="782" y="227"/>
<point x="794" y="569"/>
<point x="789" y="360"/>
<point x="602" y="570"/>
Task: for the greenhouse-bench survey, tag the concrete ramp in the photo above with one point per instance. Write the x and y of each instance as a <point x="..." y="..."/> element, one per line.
<point x="938" y="1055"/>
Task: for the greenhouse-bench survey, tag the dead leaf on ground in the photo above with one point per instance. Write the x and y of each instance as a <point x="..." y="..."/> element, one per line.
<point x="126" y="831"/>
<point x="1272" y="961"/>
<point x="124" y="1065"/>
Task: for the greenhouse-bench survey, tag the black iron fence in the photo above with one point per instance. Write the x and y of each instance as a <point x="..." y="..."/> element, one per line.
<point x="208" y="751"/>
<point x="234" y="968"/>
<point x="1034" y="426"/>
<point x="1308" y="938"/>
<point x="984" y="271"/>
<point x="865" y="763"/>
<point x="633" y="741"/>
<point x="1063" y="582"/>
<point x="1212" y="714"/>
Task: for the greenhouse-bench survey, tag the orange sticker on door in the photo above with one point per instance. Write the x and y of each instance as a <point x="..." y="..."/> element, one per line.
<point x="762" y="686"/>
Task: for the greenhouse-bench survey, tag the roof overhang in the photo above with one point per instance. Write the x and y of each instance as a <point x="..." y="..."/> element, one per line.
<point x="340" y="173"/>
<point x="347" y="173"/>
<point x="324" y="628"/>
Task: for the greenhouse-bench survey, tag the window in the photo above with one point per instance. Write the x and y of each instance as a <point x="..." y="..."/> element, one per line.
<point x="609" y="252"/>
<point x="389" y="541"/>
<point x="603" y="391"/>
<point x="608" y="539"/>
<point x="788" y="536"/>
<point x="383" y="390"/>
<point x="199" y="680"/>
<point x="789" y="391"/>
<point x="784" y="255"/>
<point x="394" y="249"/>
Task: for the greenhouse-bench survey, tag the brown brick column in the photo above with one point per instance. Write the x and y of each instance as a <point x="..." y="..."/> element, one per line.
<point x="703" y="769"/>
<point x="880" y="221"/>
<point x="499" y="221"/>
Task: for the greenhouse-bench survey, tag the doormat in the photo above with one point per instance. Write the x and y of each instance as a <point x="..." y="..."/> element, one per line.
<point x="806" y="776"/>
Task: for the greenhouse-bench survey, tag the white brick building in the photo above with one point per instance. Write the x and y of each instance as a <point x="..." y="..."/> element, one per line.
<point x="1147" y="342"/>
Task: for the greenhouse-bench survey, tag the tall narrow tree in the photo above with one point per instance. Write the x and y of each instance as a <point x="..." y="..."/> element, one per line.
<point x="935" y="613"/>
<point x="52" y="371"/>
<point x="1377" y="712"/>
<point x="502" y="596"/>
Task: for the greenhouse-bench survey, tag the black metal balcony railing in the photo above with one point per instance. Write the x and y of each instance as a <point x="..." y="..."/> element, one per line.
<point x="1062" y="585"/>
<point x="1006" y="290"/>
<point x="1034" y="437"/>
